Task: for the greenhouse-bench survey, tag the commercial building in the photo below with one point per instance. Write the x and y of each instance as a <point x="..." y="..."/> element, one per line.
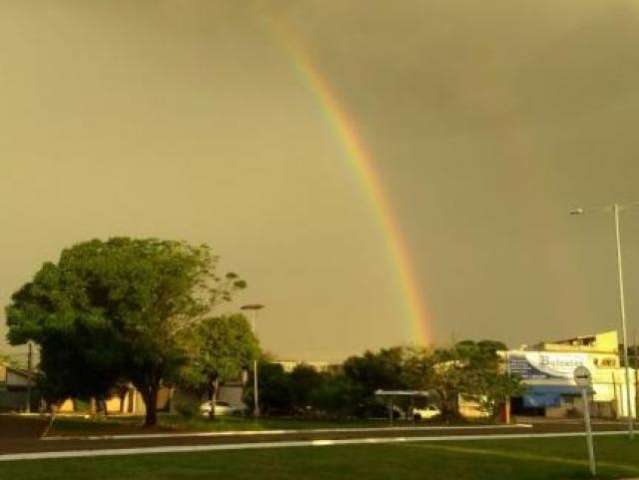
<point x="547" y="372"/>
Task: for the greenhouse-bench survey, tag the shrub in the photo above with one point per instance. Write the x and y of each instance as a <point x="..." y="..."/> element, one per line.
<point x="186" y="405"/>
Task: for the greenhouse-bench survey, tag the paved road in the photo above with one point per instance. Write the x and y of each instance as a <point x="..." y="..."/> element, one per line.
<point x="25" y="445"/>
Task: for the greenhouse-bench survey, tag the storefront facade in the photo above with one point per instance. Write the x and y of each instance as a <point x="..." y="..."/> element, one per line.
<point x="547" y="372"/>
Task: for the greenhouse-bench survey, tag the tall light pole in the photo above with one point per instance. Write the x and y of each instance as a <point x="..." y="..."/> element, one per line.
<point x="254" y="307"/>
<point x="616" y="209"/>
<point x="30" y="375"/>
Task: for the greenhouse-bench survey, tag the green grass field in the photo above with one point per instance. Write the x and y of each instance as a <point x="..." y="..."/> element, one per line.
<point x="512" y="460"/>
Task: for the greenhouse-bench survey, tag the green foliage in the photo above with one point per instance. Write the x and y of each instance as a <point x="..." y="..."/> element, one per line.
<point x="7" y="359"/>
<point x="473" y="369"/>
<point x="117" y="310"/>
<point x="469" y="368"/>
<point x="373" y="371"/>
<point x="186" y="404"/>
<point x="491" y="346"/>
<point x="338" y="396"/>
<point x="327" y="394"/>
<point x="220" y="348"/>
<point x="417" y="368"/>
<point x="275" y="389"/>
<point x="496" y="389"/>
<point x="85" y="362"/>
<point x="304" y="380"/>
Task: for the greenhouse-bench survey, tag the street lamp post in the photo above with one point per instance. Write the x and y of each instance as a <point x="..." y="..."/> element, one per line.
<point x="256" y="396"/>
<point x="30" y="374"/>
<point x="616" y="209"/>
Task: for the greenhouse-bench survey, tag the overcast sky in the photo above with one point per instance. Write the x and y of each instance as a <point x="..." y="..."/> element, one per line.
<point x="186" y="119"/>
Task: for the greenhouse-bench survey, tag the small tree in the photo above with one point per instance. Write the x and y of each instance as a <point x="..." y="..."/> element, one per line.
<point x="338" y="396"/>
<point x="304" y="380"/>
<point x="220" y="348"/>
<point x="275" y="389"/>
<point x="497" y="389"/>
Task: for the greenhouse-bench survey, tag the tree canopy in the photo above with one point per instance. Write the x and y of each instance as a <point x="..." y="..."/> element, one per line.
<point x="220" y="348"/>
<point x="377" y="370"/>
<point x="117" y="309"/>
<point x="468" y="368"/>
<point x="474" y="369"/>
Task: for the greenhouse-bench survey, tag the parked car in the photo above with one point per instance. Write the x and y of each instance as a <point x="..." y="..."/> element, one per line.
<point x="428" y="412"/>
<point x="221" y="408"/>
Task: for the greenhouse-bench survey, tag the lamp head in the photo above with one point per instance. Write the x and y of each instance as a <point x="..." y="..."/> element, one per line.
<point x="255" y="306"/>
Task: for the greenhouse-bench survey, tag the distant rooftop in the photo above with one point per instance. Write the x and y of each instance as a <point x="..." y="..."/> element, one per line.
<point x="600" y="342"/>
<point x="289" y="365"/>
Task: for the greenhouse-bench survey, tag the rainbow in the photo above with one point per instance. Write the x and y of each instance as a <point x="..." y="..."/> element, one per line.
<point x="362" y="162"/>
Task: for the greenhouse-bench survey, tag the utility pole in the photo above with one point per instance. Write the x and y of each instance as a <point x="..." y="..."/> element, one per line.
<point x="616" y="209"/>
<point x="29" y="368"/>
<point x="622" y="305"/>
<point x="636" y="365"/>
<point x="256" y="396"/>
<point x="583" y="380"/>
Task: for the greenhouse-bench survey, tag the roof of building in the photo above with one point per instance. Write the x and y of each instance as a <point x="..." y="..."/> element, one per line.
<point x="19" y="371"/>
<point x="403" y="393"/>
<point x="605" y="342"/>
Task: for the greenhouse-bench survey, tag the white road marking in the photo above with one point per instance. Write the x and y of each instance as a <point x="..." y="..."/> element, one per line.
<point x="288" y="444"/>
<point x="135" y="436"/>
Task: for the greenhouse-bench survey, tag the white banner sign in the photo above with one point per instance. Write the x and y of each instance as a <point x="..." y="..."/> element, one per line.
<point x="558" y="365"/>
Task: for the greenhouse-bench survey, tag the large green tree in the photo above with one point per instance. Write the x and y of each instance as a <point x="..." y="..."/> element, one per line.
<point x="118" y="310"/>
<point x="220" y="348"/>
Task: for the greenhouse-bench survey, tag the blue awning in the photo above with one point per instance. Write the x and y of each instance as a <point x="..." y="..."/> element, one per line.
<point x="538" y="396"/>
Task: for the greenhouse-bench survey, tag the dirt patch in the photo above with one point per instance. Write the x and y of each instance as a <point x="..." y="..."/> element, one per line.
<point x="66" y="426"/>
<point x="22" y="427"/>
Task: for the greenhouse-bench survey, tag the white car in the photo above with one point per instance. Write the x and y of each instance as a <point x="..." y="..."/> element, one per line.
<point x="221" y="408"/>
<point x="426" y="413"/>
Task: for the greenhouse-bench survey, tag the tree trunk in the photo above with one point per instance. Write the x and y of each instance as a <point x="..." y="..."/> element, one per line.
<point x="172" y="401"/>
<point x="449" y="405"/>
<point x="150" y="397"/>
<point x="213" y="396"/>
<point x="507" y="411"/>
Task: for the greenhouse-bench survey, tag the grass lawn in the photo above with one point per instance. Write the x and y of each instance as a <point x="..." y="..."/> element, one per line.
<point x="512" y="460"/>
<point x="114" y="425"/>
